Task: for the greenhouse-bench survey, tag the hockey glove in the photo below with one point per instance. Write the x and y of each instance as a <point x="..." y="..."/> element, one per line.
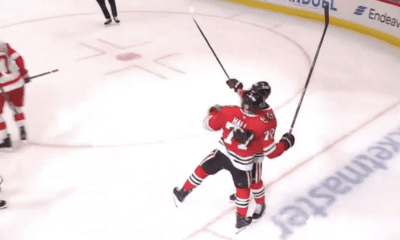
<point x="25" y="75"/>
<point x="215" y="109"/>
<point x="241" y="136"/>
<point x="26" y="78"/>
<point x="235" y="84"/>
<point x="288" y="139"/>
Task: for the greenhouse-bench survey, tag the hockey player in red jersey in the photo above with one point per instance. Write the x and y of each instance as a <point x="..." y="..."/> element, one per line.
<point x="243" y="134"/>
<point x="13" y="75"/>
<point x="257" y="185"/>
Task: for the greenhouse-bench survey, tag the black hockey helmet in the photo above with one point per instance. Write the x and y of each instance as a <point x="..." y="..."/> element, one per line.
<point x="251" y="101"/>
<point x="262" y="88"/>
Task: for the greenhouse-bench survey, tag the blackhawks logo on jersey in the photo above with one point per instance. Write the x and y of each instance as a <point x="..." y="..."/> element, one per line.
<point x="270" y="115"/>
<point x="264" y="120"/>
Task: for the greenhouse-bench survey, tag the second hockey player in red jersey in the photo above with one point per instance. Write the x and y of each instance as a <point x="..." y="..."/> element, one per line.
<point x="13" y="75"/>
<point x="257" y="185"/>
<point x="243" y="134"/>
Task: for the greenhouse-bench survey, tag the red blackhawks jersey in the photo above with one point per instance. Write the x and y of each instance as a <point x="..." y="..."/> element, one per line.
<point x="269" y="116"/>
<point x="12" y="68"/>
<point x="241" y="155"/>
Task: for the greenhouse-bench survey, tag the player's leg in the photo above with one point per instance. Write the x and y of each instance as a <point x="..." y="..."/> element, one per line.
<point x="5" y="141"/>
<point x="113" y="9"/>
<point x="242" y="181"/>
<point x="104" y="9"/>
<point x="209" y="166"/>
<point x="258" y="189"/>
<point x="17" y="99"/>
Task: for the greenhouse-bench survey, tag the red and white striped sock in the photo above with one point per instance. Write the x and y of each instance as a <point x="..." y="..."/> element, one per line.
<point x="258" y="191"/>
<point x="195" y="179"/>
<point x="242" y="200"/>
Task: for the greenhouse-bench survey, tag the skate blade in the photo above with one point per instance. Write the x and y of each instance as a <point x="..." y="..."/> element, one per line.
<point x="241" y="229"/>
<point x="175" y="200"/>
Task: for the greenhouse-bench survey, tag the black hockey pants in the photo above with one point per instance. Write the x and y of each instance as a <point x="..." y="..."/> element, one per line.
<point x="103" y="7"/>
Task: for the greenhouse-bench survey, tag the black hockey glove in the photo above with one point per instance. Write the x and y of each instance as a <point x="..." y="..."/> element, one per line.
<point x="235" y="84"/>
<point x="241" y="136"/>
<point x="288" y="139"/>
<point x="216" y="108"/>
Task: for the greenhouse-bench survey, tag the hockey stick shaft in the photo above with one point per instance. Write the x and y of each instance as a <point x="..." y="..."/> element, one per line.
<point x="39" y="75"/>
<point x="326" y="10"/>
<point x="7" y="98"/>
<point x="211" y="48"/>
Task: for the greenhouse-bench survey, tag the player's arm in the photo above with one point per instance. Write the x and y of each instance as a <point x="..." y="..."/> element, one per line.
<point x="273" y="150"/>
<point x="214" y="119"/>
<point x="15" y="56"/>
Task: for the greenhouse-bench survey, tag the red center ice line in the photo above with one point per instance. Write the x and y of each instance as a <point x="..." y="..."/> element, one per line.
<point x="304" y="162"/>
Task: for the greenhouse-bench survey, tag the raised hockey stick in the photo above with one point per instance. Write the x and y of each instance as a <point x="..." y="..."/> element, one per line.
<point x="326" y="8"/>
<point x="192" y="12"/>
<point x="39" y="75"/>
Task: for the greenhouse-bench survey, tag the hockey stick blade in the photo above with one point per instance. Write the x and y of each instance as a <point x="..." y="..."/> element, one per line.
<point x="326" y="11"/>
<point x="173" y="197"/>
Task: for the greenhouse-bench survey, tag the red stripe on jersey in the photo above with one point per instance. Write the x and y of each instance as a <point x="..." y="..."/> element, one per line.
<point x="10" y="82"/>
<point x="2" y="126"/>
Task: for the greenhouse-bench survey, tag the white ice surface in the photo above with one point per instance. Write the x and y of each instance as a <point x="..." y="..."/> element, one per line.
<point x="110" y="139"/>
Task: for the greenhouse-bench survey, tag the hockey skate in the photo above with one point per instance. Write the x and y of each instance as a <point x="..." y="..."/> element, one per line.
<point x="3" y="204"/>
<point x="116" y="20"/>
<point x="108" y="21"/>
<point x="6" y="144"/>
<point x="232" y="198"/>
<point x="242" y="222"/>
<point x="179" y="195"/>
<point x="22" y="133"/>
<point x="259" y="212"/>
